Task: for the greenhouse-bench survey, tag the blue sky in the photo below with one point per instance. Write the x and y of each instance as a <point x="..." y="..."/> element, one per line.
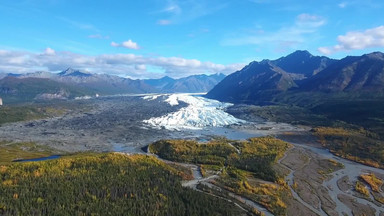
<point x="153" y="38"/>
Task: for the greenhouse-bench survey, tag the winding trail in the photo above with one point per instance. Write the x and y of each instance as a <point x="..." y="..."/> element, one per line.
<point x="241" y="199"/>
<point x="237" y="150"/>
<point x="198" y="179"/>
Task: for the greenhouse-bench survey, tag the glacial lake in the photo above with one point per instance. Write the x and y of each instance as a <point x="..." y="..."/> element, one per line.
<point x="52" y="157"/>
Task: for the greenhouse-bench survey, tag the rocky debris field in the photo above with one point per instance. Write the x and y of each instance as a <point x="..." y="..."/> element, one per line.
<point x="111" y="124"/>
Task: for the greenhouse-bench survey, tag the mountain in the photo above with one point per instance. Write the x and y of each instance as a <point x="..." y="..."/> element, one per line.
<point x="100" y="83"/>
<point x="74" y="73"/>
<point x="272" y="81"/>
<point x="72" y="83"/>
<point x="256" y="81"/>
<point x="159" y="84"/>
<point x="14" y="89"/>
<point x="350" y="74"/>
<point x="302" y="64"/>
<point x="37" y="74"/>
<point x="67" y="84"/>
<point x="109" y="84"/>
<point x="191" y="84"/>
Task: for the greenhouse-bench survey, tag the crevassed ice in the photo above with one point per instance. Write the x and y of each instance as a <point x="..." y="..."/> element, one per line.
<point x="151" y="97"/>
<point x="200" y="112"/>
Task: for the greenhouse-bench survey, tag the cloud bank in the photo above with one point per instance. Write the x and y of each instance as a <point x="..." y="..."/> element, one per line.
<point x="290" y="36"/>
<point x="127" y="65"/>
<point x="357" y="40"/>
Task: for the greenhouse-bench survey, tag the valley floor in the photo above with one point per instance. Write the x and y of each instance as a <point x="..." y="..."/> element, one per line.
<point x="323" y="190"/>
<point x="109" y="124"/>
<point x="116" y="124"/>
<point x="320" y="183"/>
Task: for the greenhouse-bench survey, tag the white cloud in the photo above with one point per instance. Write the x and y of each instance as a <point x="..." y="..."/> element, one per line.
<point x="79" y="25"/>
<point x="299" y="32"/>
<point x="357" y="40"/>
<point x="259" y="1"/>
<point x="114" y="44"/>
<point x="129" y="44"/>
<point x="361" y="4"/>
<point x="141" y="67"/>
<point x="127" y="65"/>
<point x="180" y="11"/>
<point x="98" y="36"/>
<point x="342" y="5"/>
<point x="309" y="20"/>
<point x="164" y="22"/>
<point x="173" y="7"/>
<point x="325" y="50"/>
<point x="49" y="51"/>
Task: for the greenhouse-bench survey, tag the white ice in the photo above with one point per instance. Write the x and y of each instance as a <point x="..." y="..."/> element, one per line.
<point x="199" y="113"/>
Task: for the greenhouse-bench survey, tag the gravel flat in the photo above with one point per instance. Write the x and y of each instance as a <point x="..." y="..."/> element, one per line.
<point x="111" y="124"/>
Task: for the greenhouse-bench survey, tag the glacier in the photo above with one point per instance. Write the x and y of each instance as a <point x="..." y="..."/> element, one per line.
<point x="199" y="113"/>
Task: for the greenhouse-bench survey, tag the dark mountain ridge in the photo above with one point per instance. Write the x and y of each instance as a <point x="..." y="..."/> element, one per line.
<point x="353" y="73"/>
<point x="256" y="80"/>
<point x="72" y="72"/>
<point x="14" y="90"/>
<point x="304" y="63"/>
<point x="257" y="83"/>
<point x="193" y="84"/>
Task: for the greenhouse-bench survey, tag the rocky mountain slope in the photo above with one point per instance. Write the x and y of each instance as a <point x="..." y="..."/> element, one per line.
<point x="258" y="80"/>
<point x="191" y="84"/>
<point x="353" y="73"/>
<point x="72" y="83"/>
<point x="99" y="83"/>
<point x="302" y="64"/>
<point x="13" y="89"/>
<point x="268" y="81"/>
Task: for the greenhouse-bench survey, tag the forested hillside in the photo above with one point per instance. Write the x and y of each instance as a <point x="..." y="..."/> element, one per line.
<point x="102" y="184"/>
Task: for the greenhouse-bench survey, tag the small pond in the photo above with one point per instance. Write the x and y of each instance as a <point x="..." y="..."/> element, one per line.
<point x="39" y="159"/>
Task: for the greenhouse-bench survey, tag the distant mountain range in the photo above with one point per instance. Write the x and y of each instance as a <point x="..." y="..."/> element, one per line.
<point x="298" y="76"/>
<point x="361" y="73"/>
<point x="301" y="73"/>
<point x="72" y="83"/>
<point x="193" y="84"/>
